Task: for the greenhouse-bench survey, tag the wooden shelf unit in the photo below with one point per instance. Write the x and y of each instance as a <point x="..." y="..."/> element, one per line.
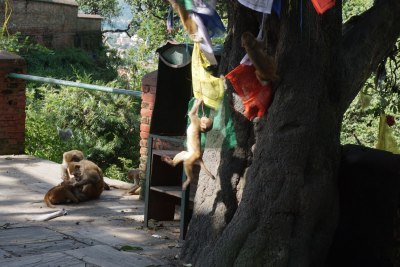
<point x="164" y="187"/>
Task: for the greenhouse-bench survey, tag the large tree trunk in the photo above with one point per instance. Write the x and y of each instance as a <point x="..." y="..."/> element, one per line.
<point x="279" y="207"/>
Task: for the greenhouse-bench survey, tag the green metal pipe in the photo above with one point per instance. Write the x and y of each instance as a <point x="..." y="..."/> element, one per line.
<point x="75" y="84"/>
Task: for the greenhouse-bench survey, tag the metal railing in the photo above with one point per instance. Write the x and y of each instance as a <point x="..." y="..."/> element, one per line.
<point x="75" y="84"/>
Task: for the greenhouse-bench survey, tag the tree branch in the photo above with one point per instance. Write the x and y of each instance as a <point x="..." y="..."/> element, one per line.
<point x="367" y="40"/>
<point x="119" y="30"/>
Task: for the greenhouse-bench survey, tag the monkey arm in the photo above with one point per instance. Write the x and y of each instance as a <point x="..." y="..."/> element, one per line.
<point x="85" y="181"/>
<point x="181" y="156"/>
<point x="195" y="108"/>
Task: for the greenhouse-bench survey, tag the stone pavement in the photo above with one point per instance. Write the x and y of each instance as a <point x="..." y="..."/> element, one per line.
<point x="104" y="232"/>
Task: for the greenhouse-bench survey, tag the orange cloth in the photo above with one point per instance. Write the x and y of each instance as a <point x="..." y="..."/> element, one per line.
<point x="323" y="5"/>
<point x="256" y="97"/>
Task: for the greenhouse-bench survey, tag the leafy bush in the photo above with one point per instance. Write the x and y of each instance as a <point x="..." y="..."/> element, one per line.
<point x="104" y="126"/>
<point x="381" y="94"/>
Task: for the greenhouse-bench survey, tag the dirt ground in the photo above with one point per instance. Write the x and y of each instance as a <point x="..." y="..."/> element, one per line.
<point x="104" y="232"/>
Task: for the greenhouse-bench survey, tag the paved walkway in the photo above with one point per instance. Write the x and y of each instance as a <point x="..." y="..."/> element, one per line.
<point x="105" y="232"/>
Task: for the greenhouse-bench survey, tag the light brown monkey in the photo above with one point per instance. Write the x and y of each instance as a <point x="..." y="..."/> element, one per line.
<point x="68" y="157"/>
<point x="74" y="156"/>
<point x="188" y="23"/>
<point x="61" y="194"/>
<point x="134" y="175"/>
<point x="264" y="64"/>
<point x="193" y="153"/>
<point x="89" y="179"/>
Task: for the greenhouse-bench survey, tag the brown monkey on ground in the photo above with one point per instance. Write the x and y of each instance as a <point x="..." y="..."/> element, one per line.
<point x="264" y="64"/>
<point x="193" y="153"/>
<point x="62" y="194"/>
<point x="134" y="175"/>
<point x="89" y="179"/>
<point x="68" y="157"/>
<point x="74" y="156"/>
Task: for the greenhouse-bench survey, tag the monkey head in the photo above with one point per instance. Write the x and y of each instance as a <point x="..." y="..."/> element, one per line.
<point x="75" y="170"/>
<point x="73" y="156"/>
<point x="206" y="124"/>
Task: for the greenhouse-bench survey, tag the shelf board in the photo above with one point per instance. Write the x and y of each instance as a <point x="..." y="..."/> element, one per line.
<point x="169" y="153"/>
<point x="175" y="191"/>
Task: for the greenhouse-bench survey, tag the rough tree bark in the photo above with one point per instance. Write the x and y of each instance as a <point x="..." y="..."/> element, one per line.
<point x="279" y="207"/>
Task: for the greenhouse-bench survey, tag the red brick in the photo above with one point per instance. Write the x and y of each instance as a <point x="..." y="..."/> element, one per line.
<point x="148" y="97"/>
<point x="12" y="104"/>
<point x="145" y="120"/>
<point x="144" y="135"/>
<point x="150" y="79"/>
<point x="145" y="128"/>
<point x="149" y="89"/>
<point x="147" y="105"/>
<point x="146" y="113"/>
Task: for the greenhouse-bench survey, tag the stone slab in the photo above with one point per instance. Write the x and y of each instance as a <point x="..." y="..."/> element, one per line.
<point x="107" y="256"/>
<point x="44" y="260"/>
<point x="91" y="233"/>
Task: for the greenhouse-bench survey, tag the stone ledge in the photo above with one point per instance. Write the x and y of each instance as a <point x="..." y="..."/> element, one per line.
<point x="61" y="2"/>
<point x="89" y="16"/>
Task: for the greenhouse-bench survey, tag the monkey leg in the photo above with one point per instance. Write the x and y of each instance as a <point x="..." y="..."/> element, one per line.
<point x="71" y="196"/>
<point x="136" y="183"/>
<point x="188" y="167"/>
<point x="80" y="195"/>
<point x="132" y="191"/>
<point x="181" y="156"/>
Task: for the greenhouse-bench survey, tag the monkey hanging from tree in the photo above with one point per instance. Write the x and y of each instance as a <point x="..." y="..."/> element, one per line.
<point x="264" y="64"/>
<point x="193" y="154"/>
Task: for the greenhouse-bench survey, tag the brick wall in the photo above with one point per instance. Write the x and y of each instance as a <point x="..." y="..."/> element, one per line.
<point x="149" y="90"/>
<point x="149" y="86"/>
<point x="53" y="23"/>
<point x="88" y="34"/>
<point x="12" y="105"/>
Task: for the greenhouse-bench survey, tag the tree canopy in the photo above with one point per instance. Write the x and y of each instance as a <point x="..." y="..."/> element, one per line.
<point x="278" y="206"/>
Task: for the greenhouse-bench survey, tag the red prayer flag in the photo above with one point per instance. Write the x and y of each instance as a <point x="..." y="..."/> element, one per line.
<point x="256" y="97"/>
<point x="323" y="5"/>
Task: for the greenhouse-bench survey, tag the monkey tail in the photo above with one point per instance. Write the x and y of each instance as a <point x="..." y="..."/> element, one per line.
<point x="185" y="184"/>
<point x="47" y="201"/>
<point x="203" y="166"/>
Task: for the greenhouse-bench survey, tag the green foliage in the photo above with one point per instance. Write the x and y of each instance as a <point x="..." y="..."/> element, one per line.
<point x="130" y="248"/>
<point x="67" y="63"/>
<point x="380" y="93"/>
<point x="149" y="21"/>
<point x="105" y="8"/>
<point x="105" y="126"/>
<point x="355" y="7"/>
<point x="119" y="171"/>
<point x="150" y="18"/>
<point x="16" y="43"/>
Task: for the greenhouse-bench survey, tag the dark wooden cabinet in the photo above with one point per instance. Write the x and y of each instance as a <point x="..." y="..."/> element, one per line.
<point x="164" y="187"/>
<point x="168" y="126"/>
